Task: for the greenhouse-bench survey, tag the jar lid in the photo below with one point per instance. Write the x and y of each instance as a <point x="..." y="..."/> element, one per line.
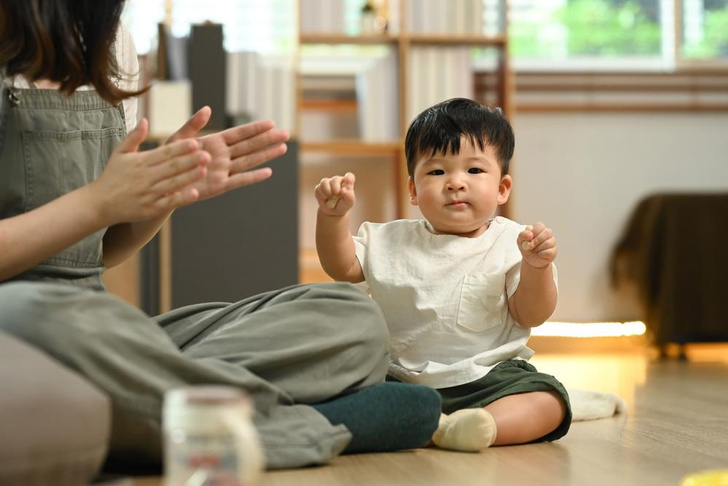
<point x="206" y="394"/>
<point x="204" y="405"/>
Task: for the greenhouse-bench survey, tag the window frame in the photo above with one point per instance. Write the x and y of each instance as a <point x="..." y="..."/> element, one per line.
<point x="671" y="59"/>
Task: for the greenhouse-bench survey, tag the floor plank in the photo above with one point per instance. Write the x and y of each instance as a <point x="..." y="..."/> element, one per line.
<point x="677" y="424"/>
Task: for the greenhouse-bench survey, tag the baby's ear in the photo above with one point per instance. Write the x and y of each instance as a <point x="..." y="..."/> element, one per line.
<point x="412" y="191"/>
<point x="504" y="189"/>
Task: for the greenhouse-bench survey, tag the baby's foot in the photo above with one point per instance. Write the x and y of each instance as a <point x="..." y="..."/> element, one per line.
<point x="469" y="430"/>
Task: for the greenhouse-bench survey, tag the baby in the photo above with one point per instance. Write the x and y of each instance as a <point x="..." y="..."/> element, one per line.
<point x="461" y="288"/>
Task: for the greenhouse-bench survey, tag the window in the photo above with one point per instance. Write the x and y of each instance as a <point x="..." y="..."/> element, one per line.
<point x="249" y="25"/>
<point x="589" y="33"/>
<point x="141" y="17"/>
<point x="704" y="33"/>
<point x="621" y="34"/>
<point x="544" y="34"/>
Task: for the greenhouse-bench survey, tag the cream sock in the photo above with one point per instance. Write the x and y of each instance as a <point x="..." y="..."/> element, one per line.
<point x="469" y="430"/>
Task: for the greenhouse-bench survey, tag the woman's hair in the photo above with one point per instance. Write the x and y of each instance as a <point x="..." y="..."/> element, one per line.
<point x="440" y="128"/>
<point x="65" y="41"/>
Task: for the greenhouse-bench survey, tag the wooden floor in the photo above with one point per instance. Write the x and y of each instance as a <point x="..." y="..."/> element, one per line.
<point x="677" y="424"/>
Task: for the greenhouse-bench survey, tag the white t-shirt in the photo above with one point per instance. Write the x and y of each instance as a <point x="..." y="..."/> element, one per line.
<point x="126" y="59"/>
<point x="445" y="298"/>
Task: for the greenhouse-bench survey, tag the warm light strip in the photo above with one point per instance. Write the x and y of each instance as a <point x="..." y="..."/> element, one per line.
<point x="590" y="329"/>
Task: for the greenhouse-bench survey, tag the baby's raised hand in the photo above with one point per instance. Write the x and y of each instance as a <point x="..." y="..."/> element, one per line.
<point x="335" y="195"/>
<point x="538" y="245"/>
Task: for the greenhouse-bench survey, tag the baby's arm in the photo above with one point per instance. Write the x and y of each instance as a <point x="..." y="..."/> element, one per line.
<point x="334" y="243"/>
<point x="535" y="299"/>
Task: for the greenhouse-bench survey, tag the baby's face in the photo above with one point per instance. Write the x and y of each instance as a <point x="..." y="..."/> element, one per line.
<point x="459" y="194"/>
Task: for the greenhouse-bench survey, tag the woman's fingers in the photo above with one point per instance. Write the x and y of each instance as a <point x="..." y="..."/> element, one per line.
<point x="181" y="164"/>
<point x="175" y="200"/>
<point x="257" y="143"/>
<point x="180" y="180"/>
<point x="162" y="155"/>
<point x="234" y="135"/>
<point x="241" y="164"/>
<point x="197" y="122"/>
<point x="135" y="138"/>
<point x="247" y="178"/>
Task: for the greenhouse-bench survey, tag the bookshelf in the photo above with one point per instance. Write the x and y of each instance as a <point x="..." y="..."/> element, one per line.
<point x="426" y="40"/>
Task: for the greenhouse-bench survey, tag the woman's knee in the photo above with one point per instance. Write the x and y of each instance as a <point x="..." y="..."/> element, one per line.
<point x="368" y="316"/>
<point x="358" y="309"/>
<point x="22" y="307"/>
<point x="42" y="314"/>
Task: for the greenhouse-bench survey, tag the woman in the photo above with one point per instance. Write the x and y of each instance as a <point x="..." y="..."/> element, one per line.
<point x="77" y="196"/>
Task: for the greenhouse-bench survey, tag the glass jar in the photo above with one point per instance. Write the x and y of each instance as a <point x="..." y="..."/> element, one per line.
<point x="209" y="438"/>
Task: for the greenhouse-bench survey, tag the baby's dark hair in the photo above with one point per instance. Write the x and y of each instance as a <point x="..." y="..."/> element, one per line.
<point x="440" y="128"/>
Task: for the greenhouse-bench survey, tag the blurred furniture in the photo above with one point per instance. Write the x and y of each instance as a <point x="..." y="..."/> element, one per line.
<point x="54" y="424"/>
<point x="207" y="71"/>
<point x="229" y="247"/>
<point x="673" y="250"/>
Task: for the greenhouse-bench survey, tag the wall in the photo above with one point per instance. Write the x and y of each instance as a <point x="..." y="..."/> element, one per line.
<point x="582" y="173"/>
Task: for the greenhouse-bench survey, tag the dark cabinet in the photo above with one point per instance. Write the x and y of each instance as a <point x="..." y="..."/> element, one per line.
<point x="232" y="246"/>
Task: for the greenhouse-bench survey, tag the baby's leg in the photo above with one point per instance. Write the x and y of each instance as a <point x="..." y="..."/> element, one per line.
<point x="468" y="430"/>
<point x="514" y="419"/>
<point x="521" y="404"/>
<point x="526" y="417"/>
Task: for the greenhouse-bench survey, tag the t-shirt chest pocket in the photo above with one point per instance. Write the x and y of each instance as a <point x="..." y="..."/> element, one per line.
<point x="482" y="297"/>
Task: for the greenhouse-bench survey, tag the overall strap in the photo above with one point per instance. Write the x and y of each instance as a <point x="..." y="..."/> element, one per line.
<point x="51" y="144"/>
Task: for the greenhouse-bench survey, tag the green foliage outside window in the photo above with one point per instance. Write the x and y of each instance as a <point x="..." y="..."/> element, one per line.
<point x="589" y="28"/>
<point x="612" y="29"/>
<point x="714" y="42"/>
<point x="530" y="39"/>
<point x="598" y="28"/>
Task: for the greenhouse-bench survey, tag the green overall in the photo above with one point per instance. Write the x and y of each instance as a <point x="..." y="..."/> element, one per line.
<point x="287" y="348"/>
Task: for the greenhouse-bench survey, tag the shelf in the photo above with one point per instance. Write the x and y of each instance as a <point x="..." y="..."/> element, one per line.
<point x="413" y="38"/>
<point x="416" y="57"/>
<point x="353" y="147"/>
<point x="329" y="105"/>
<point x="449" y="40"/>
<point x="322" y="38"/>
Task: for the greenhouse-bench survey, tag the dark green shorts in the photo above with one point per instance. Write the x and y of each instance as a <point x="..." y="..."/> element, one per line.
<point x="508" y="378"/>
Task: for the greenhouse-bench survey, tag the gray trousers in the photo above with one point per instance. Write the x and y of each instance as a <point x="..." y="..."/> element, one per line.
<point x="287" y="348"/>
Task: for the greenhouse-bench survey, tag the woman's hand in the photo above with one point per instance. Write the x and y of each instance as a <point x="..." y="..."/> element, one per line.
<point x="138" y="186"/>
<point x="233" y="152"/>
